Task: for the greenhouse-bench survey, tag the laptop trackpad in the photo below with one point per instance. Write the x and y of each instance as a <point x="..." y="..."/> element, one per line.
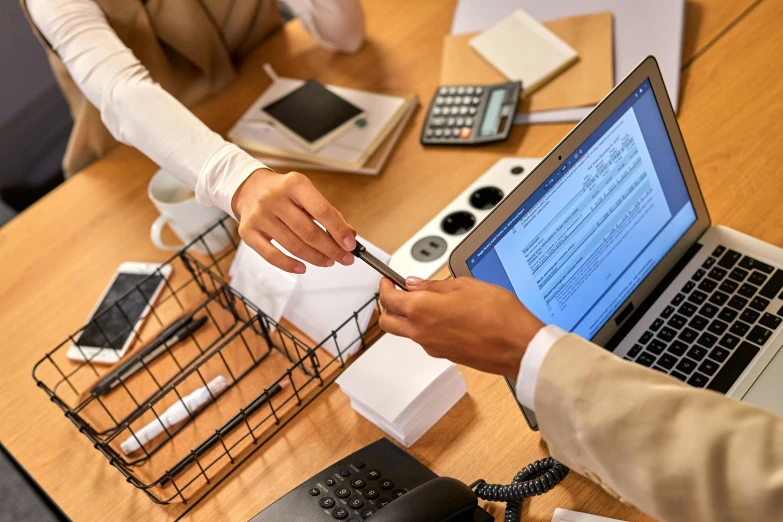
<point x="767" y="391"/>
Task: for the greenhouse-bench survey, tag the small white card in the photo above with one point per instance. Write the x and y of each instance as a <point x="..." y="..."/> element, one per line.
<point x="565" y="515"/>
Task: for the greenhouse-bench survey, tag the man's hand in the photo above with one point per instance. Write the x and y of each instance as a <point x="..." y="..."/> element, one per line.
<point x="282" y="207"/>
<point x="463" y="320"/>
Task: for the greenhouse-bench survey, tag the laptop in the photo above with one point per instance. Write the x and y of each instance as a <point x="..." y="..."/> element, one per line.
<point x="609" y="238"/>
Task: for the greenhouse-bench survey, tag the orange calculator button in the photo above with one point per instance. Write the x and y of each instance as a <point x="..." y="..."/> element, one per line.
<point x="465" y="133"/>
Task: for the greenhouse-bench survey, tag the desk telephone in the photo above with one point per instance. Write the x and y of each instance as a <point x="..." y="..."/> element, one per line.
<point x="381" y="482"/>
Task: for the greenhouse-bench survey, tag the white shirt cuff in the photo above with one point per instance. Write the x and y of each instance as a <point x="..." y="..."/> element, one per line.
<point x="532" y="361"/>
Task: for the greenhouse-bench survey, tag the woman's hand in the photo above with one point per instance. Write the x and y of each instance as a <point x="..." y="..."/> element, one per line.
<point x="283" y="207"/>
<point x="464" y="320"/>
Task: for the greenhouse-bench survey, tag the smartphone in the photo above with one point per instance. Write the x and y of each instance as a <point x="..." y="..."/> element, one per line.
<point x="112" y="324"/>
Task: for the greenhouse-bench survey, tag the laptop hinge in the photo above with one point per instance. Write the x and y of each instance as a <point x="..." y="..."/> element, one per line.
<point x="660" y="288"/>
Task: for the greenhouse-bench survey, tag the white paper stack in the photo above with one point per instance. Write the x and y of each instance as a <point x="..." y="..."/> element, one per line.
<point x="320" y="302"/>
<point x="402" y="390"/>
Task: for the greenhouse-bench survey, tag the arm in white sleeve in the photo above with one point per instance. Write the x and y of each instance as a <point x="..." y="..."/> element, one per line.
<point x="337" y="25"/>
<point x="135" y="109"/>
<point x="531" y="363"/>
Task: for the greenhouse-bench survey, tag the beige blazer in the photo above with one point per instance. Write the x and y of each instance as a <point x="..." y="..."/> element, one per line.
<point x="188" y="46"/>
<point x="675" y="452"/>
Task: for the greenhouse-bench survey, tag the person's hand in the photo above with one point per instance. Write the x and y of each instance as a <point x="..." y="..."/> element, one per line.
<point x="464" y="320"/>
<point x="282" y="207"/>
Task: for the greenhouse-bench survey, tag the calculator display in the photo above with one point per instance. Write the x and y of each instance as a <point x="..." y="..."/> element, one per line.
<point x="492" y="115"/>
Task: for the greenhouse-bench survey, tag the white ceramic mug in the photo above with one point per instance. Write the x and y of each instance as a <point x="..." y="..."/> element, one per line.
<point x="179" y="209"/>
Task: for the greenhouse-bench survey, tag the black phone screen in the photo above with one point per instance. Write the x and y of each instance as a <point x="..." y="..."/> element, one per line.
<point x="114" y="320"/>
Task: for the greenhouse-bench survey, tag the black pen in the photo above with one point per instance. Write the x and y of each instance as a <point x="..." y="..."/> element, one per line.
<point x="379" y="266"/>
<point x="225" y="430"/>
<point x="176" y="332"/>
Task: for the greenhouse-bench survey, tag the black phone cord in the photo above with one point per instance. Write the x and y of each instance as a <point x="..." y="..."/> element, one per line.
<point x="536" y="479"/>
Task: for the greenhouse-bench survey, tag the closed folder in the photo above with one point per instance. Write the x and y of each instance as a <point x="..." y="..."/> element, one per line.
<point x="585" y="83"/>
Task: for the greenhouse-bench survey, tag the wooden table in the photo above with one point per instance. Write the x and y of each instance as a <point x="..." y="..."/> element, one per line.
<point x="56" y="257"/>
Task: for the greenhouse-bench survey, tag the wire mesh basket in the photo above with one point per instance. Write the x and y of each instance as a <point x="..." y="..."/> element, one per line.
<point x="255" y="355"/>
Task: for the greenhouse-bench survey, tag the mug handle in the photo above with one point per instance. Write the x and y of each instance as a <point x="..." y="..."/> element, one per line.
<point x="155" y="231"/>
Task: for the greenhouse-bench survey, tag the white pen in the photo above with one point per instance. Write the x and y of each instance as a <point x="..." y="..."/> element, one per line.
<point x="174" y="415"/>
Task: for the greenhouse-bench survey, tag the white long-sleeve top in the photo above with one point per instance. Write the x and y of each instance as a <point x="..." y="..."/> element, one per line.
<point x="139" y="112"/>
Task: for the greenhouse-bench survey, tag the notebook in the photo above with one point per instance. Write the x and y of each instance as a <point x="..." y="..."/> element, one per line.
<point x="313" y="115"/>
<point x="521" y="48"/>
<point x="583" y="84"/>
<point x="257" y="132"/>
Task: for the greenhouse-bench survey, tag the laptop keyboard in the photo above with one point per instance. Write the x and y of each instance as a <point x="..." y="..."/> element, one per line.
<point x="716" y="324"/>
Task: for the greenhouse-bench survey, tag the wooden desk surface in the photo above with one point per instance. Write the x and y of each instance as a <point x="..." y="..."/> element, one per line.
<point x="56" y="258"/>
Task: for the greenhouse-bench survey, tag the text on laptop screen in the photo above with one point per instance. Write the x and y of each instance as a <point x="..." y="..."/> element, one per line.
<point x="586" y="238"/>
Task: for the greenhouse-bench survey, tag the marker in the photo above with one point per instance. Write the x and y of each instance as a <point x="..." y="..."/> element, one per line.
<point x="222" y="432"/>
<point x="176" y="413"/>
<point x="178" y="331"/>
<point x="379" y="266"/>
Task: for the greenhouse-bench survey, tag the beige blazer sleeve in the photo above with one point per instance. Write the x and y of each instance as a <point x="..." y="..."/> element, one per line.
<point x="675" y="452"/>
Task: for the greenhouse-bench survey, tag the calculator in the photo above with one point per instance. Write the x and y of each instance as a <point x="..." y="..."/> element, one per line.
<point x="471" y="114"/>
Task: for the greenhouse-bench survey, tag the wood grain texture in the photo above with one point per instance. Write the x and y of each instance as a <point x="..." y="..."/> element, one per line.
<point x="56" y="258"/>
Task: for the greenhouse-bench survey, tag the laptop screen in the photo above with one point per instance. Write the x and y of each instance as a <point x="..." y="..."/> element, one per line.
<point x="585" y="239"/>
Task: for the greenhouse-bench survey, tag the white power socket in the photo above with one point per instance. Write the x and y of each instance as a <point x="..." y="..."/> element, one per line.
<point x="428" y="250"/>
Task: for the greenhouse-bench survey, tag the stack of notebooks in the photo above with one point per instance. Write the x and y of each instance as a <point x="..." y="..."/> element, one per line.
<point x="361" y="148"/>
<point x="402" y="390"/>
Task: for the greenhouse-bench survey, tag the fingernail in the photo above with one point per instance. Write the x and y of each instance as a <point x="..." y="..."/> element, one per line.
<point x="299" y="269"/>
<point x="349" y="243"/>
<point x="413" y="280"/>
<point x="329" y="263"/>
<point x="347" y="259"/>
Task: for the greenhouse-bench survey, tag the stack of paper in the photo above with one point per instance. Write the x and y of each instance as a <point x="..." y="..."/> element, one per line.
<point x="385" y="117"/>
<point x="321" y="302"/>
<point x="402" y="390"/>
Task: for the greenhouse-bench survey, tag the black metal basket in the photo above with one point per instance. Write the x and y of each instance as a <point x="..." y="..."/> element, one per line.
<point x="240" y="342"/>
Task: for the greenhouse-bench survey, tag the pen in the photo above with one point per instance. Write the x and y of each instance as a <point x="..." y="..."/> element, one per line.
<point x="170" y="336"/>
<point x="215" y="437"/>
<point x="379" y="266"/>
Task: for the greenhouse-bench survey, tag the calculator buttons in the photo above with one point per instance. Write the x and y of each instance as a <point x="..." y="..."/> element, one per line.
<point x="438" y="133"/>
<point x="479" y="90"/>
<point x="326" y="502"/>
<point x="368" y="512"/>
<point x="451" y="121"/>
<point x="342" y="492"/>
<point x="356" y="503"/>
<point x="460" y="90"/>
<point x="397" y="493"/>
<point x="465" y="100"/>
<point x="452" y="90"/>
<point x="315" y="492"/>
<point x="455" y="132"/>
<point x="463" y="110"/>
<point x="358" y="483"/>
<point x="439" y="100"/>
<point x="455" y="110"/>
<point x="443" y="90"/>
<point x="382" y="502"/>
<point x="429" y="132"/>
<point x="472" y="111"/>
<point x="345" y="472"/>
<point x="469" y="90"/>
<point x="460" y="121"/>
<point x="373" y="474"/>
<point x="386" y="484"/>
<point x="368" y="494"/>
<point x="329" y="482"/>
<point x="361" y="464"/>
<point x="436" y="111"/>
<point x="465" y="133"/>
<point x="340" y="513"/>
<point x="449" y="100"/>
<point x="469" y="122"/>
<point x="475" y="100"/>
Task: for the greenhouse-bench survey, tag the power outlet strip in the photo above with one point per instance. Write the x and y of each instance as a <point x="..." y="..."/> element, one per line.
<point x="428" y="250"/>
